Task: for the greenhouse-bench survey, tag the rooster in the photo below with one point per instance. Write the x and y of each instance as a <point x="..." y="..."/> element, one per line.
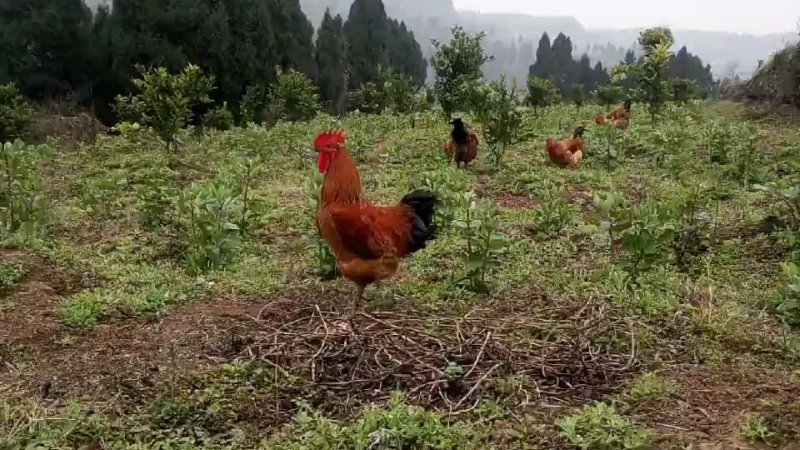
<point x="620" y="117"/>
<point x="568" y="152"/>
<point x="368" y="241"/>
<point x="462" y="147"/>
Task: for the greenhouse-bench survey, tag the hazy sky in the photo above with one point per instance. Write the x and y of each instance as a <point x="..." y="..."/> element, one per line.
<point x="757" y="17"/>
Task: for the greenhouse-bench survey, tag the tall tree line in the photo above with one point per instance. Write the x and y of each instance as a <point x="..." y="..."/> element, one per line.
<point x="571" y="77"/>
<point x="58" y="48"/>
<point x="554" y="62"/>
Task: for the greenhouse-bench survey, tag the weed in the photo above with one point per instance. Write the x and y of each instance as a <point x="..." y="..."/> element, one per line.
<point x="326" y="262"/>
<point x="651" y="386"/>
<point x="479" y="225"/>
<point x="102" y="195"/>
<point x="155" y="198"/>
<point x="719" y="139"/>
<point x="756" y="430"/>
<point x="613" y="153"/>
<point x="554" y="214"/>
<point x="10" y="274"/>
<point x="788" y="305"/>
<point x="209" y="212"/>
<point x="32" y="425"/>
<point x="85" y="309"/>
<point x="600" y="427"/>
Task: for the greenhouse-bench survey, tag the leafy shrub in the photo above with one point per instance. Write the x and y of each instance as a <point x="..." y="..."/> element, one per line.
<point x="208" y="215"/>
<point x="10" y="274"/>
<point x="397" y="426"/>
<point x="219" y="118"/>
<point x="253" y="107"/>
<point x="293" y="97"/>
<point x="370" y="98"/>
<point x="541" y="93"/>
<point x="609" y="94"/>
<point x="644" y="232"/>
<point x="16" y="114"/>
<point x="23" y="205"/>
<point x="165" y="100"/>
<point x="601" y="427"/>
<point x="479" y="225"/>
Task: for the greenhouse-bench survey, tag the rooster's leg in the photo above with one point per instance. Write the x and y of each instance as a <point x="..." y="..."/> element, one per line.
<point x="358" y="296"/>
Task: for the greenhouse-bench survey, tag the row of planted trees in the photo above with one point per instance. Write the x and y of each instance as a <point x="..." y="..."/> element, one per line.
<point x="168" y="102"/>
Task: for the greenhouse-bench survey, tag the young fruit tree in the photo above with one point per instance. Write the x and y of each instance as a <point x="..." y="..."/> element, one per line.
<point x="653" y="78"/>
<point x="541" y="93"/>
<point x="165" y="100"/>
<point x="455" y="63"/>
<point x="504" y="120"/>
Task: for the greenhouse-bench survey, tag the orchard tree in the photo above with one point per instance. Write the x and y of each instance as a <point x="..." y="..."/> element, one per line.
<point x="504" y="120"/>
<point x="165" y="100"/>
<point x="455" y="63"/>
<point x="293" y="97"/>
<point x="651" y="75"/>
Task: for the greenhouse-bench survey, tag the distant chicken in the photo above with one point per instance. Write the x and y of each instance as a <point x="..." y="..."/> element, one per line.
<point x="568" y="152"/>
<point x="620" y="117"/>
<point x="462" y="147"/>
<point x="368" y="241"/>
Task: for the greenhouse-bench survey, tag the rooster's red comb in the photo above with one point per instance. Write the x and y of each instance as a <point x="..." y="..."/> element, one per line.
<point x="326" y="138"/>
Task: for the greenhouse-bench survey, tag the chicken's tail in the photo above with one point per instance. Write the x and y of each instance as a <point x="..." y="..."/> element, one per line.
<point x="422" y="204"/>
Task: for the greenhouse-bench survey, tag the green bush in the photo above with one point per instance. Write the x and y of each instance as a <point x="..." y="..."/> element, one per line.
<point x="16" y="114"/>
<point x="293" y="97"/>
<point x="219" y="118"/>
<point x="23" y="205"/>
<point x="165" y="100"/>
<point x="541" y="93"/>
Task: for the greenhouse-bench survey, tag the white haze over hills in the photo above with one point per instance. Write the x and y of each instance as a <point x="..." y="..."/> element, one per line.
<point x="592" y="25"/>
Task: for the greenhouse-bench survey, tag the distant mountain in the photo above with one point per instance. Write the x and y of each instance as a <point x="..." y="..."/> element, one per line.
<point x="432" y="19"/>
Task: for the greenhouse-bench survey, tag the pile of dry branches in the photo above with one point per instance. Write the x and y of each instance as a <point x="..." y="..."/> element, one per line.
<point x="446" y="360"/>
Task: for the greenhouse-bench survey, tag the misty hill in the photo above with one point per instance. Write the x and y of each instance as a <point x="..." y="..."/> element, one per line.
<point x="432" y="19"/>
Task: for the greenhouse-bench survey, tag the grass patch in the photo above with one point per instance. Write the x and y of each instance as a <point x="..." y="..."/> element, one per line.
<point x="398" y="425"/>
<point x="601" y="427"/>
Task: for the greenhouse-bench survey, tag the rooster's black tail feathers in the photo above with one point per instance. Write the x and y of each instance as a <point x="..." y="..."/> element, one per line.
<point x="423" y="229"/>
